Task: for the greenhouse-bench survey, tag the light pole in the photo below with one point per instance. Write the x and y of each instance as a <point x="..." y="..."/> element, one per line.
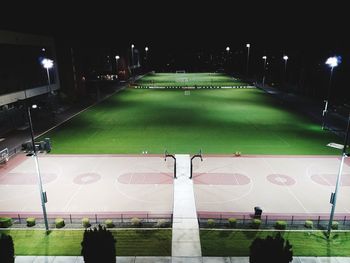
<point x="146" y="50"/>
<point x="116" y="63"/>
<point x="132" y="60"/>
<point x="47" y="64"/>
<point x="248" y="46"/>
<point x="263" y="80"/>
<point x="285" y="58"/>
<point x="334" y="195"/>
<point x="332" y="62"/>
<point x="43" y="196"/>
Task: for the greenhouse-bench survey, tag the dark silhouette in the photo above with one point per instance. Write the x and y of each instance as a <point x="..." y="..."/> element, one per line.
<point x="271" y="249"/>
<point x="7" y="250"/>
<point x="98" y="246"/>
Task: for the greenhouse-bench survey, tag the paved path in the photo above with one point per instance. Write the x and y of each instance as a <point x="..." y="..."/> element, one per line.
<point x="185" y="238"/>
<point x="61" y="259"/>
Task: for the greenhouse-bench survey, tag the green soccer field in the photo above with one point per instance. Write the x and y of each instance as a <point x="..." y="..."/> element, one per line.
<point x="188" y="80"/>
<point x="218" y="121"/>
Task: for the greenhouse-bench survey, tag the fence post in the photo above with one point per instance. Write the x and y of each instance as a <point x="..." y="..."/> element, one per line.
<point x="292" y="220"/>
<point x="318" y="221"/>
<point x="344" y="220"/>
<point x="70" y="218"/>
<point x="265" y="220"/>
<point x="147" y="217"/>
<point x="19" y="218"/>
<point x="220" y="218"/>
<point x="243" y="219"/>
<point x="121" y="216"/>
<point x="96" y="218"/>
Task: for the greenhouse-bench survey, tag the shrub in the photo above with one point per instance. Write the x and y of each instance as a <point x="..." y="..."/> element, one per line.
<point x="161" y="223"/>
<point x="335" y="225"/>
<point x="256" y="223"/>
<point x="7" y="251"/>
<point x="271" y="249"/>
<point x="109" y="223"/>
<point x="281" y="225"/>
<point x="232" y="222"/>
<point x="309" y="224"/>
<point x="135" y="221"/>
<point x="86" y="222"/>
<point x="5" y="222"/>
<point x="30" y="221"/>
<point x="98" y="246"/>
<point x="59" y="222"/>
<point x="211" y="222"/>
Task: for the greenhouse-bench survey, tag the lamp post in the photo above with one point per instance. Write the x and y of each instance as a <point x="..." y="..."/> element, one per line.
<point x="332" y="62"/>
<point x="116" y="63"/>
<point x="334" y="195"/>
<point x="285" y="58"/>
<point x="248" y="46"/>
<point x="146" y="50"/>
<point x="263" y="80"/>
<point x="47" y="64"/>
<point x="132" y="60"/>
<point x="43" y="196"/>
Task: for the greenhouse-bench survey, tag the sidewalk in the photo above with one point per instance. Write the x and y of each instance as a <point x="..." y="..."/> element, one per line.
<point x="62" y="259"/>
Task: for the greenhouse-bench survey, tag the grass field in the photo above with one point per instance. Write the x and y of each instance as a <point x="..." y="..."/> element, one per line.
<point x="220" y="121"/>
<point x="236" y="243"/>
<point x="68" y="242"/>
<point x="188" y="79"/>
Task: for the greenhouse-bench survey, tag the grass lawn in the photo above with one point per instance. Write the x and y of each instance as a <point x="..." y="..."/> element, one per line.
<point x="220" y="121"/>
<point x="67" y="242"/>
<point x="236" y="243"/>
<point x="188" y="79"/>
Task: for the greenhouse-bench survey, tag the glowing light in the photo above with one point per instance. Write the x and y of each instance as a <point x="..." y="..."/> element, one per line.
<point x="146" y="49"/>
<point x="117" y="57"/>
<point x="333" y="61"/>
<point x="264" y="57"/>
<point x="132" y="46"/>
<point x="228" y="49"/>
<point x="285" y="58"/>
<point x="248" y="45"/>
<point x="47" y="63"/>
<point x="34" y="106"/>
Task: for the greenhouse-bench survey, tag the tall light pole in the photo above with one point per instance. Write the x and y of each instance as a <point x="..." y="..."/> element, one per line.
<point x="116" y="63"/>
<point x="43" y="196"/>
<point x="146" y="50"/>
<point x="285" y="58"/>
<point x="332" y="62"/>
<point x="47" y="64"/>
<point x="334" y="195"/>
<point x="248" y="46"/>
<point x="132" y="60"/>
<point x="264" y="70"/>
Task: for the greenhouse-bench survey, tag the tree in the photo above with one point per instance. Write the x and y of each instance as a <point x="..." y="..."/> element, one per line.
<point x="271" y="249"/>
<point x="98" y="246"/>
<point x="7" y="251"/>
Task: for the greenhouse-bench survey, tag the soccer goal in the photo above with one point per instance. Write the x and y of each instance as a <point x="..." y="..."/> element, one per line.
<point x="4" y="156"/>
<point x="180" y="71"/>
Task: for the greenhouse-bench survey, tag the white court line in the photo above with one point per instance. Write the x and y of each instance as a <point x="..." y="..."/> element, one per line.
<point x="289" y="190"/>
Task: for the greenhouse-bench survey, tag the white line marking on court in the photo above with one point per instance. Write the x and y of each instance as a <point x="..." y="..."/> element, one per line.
<point x="288" y="188"/>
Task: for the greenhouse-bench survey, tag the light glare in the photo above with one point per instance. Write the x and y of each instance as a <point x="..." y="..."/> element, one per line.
<point x="47" y="63"/>
<point x="332" y="62"/>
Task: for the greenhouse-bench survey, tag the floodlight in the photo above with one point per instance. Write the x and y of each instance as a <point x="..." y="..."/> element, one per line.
<point x="332" y="61"/>
<point x="228" y="49"/>
<point x="47" y="63"/>
<point x="264" y="57"/>
<point x="34" y="106"/>
<point x="117" y="57"/>
<point x="285" y="58"/>
<point x="248" y="45"/>
<point x="146" y="49"/>
<point x="132" y="45"/>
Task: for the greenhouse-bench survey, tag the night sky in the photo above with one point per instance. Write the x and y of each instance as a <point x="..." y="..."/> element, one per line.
<point x="182" y="31"/>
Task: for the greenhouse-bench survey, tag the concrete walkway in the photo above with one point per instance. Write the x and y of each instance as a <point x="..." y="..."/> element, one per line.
<point x="185" y="238"/>
<point x="61" y="259"/>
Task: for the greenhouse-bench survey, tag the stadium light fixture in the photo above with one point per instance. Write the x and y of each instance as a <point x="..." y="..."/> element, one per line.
<point x="47" y="64"/>
<point x="332" y="62"/>
<point x="228" y="49"/>
<point x="333" y="199"/>
<point x="146" y="50"/>
<point x="248" y="46"/>
<point x="43" y="196"/>
<point x="264" y="70"/>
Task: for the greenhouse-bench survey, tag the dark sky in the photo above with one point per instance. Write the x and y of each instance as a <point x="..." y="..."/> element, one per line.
<point x="179" y="24"/>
